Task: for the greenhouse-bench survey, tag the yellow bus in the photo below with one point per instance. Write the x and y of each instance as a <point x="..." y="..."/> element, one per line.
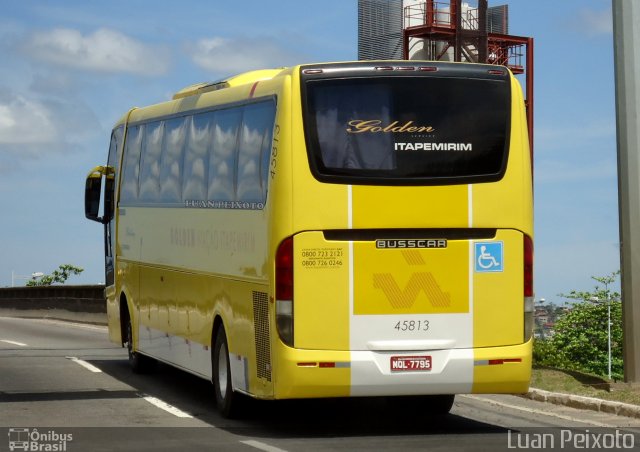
<point x="326" y="230"/>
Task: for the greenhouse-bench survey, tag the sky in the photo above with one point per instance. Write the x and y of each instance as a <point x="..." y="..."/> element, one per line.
<point x="70" y="69"/>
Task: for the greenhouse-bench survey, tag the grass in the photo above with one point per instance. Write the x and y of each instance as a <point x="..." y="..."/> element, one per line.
<point x="571" y="382"/>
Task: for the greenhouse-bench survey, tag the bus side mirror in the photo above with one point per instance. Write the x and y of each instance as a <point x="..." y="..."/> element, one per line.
<point x="92" y="193"/>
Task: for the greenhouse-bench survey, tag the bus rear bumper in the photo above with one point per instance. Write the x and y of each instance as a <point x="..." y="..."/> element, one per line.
<point x="318" y="373"/>
<point x="502" y="370"/>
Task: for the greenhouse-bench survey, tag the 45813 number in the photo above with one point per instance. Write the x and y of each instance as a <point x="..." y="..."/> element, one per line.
<point x="412" y="325"/>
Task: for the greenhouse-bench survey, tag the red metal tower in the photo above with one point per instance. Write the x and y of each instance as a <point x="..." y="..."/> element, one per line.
<point x="455" y="31"/>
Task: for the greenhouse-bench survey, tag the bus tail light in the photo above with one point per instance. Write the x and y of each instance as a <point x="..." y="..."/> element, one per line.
<point x="284" y="291"/>
<point x="528" y="288"/>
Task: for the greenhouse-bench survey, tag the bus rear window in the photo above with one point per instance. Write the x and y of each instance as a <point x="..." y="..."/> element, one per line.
<point x="407" y="130"/>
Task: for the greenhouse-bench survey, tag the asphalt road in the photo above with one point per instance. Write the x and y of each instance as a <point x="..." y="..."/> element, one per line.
<point x="64" y="386"/>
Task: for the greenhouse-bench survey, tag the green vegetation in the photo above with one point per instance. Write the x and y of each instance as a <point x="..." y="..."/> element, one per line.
<point x="58" y="276"/>
<point x="580" y="342"/>
<point x="572" y="382"/>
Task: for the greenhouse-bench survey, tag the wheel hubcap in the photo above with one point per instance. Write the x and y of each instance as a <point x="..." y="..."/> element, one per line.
<point x="129" y="341"/>
<point x="222" y="370"/>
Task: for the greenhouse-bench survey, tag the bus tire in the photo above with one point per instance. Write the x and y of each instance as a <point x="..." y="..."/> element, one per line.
<point x="226" y="399"/>
<point x="140" y="364"/>
<point x="439" y="404"/>
<point x="430" y="405"/>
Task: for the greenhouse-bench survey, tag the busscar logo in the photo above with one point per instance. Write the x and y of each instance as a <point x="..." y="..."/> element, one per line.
<point x="411" y="243"/>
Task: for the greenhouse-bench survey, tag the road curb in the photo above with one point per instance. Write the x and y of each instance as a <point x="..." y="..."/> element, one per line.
<point x="584" y="403"/>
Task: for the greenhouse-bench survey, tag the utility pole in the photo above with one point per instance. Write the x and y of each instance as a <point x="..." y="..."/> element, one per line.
<point x="626" y="40"/>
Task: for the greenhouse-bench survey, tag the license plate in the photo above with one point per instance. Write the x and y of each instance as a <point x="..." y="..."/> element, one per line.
<point x="410" y="363"/>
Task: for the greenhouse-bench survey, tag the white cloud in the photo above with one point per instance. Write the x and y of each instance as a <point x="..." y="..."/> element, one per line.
<point x="104" y="50"/>
<point x="232" y="56"/>
<point x="33" y="126"/>
<point x="25" y="121"/>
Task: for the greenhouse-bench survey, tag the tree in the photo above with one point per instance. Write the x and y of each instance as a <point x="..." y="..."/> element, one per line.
<point x="60" y="275"/>
<point x="581" y="337"/>
<point x="598" y="293"/>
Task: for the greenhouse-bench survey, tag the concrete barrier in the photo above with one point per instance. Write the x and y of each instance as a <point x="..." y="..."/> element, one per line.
<point x="78" y="303"/>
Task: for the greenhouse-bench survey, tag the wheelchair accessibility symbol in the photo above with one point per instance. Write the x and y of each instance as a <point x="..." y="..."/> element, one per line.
<point x="489" y="257"/>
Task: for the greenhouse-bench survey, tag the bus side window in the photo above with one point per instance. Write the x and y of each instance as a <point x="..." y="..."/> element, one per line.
<point x="222" y="160"/>
<point x="129" y="190"/>
<point x="175" y="132"/>
<point x="254" y="150"/>
<point x="196" y="169"/>
<point x="150" y="162"/>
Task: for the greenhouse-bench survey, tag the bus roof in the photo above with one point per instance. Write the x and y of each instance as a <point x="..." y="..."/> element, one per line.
<point x="251" y="77"/>
<point x="236" y="80"/>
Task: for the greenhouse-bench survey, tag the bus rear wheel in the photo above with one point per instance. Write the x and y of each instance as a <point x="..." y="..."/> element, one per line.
<point x="226" y="399"/>
<point x="439" y="404"/>
<point x="430" y="405"/>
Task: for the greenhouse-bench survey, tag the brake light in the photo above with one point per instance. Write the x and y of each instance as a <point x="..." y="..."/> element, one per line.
<point x="284" y="291"/>
<point x="528" y="266"/>
<point x="528" y="287"/>
<point x="284" y="270"/>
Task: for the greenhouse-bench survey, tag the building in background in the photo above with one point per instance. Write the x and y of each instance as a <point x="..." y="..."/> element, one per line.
<point x="446" y="30"/>
<point x="381" y="24"/>
<point x="380" y="29"/>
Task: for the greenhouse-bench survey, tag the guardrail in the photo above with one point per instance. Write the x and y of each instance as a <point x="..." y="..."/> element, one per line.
<point x="87" y="298"/>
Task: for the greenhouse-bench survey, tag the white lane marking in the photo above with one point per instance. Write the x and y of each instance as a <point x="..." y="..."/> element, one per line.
<point x="165" y="406"/>
<point x="84" y="364"/>
<point x="262" y="446"/>
<point x="19" y="344"/>
<point x="86" y="326"/>
<point x="535" y="411"/>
